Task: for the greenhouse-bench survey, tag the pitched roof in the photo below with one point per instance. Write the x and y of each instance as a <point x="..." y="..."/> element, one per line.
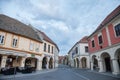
<point x="84" y="40"/>
<point x="110" y="17"/>
<point x="46" y="38"/>
<point x="14" y="26"/>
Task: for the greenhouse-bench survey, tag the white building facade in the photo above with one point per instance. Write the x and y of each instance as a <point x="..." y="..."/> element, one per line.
<point x="78" y="56"/>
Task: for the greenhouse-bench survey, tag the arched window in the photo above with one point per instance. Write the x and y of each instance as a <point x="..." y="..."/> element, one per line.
<point x="117" y="30"/>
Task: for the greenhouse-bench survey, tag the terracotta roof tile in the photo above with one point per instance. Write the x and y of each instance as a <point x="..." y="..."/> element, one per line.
<point x="111" y="16"/>
<point x="84" y="40"/>
<point x="16" y="27"/>
<point x="46" y="38"/>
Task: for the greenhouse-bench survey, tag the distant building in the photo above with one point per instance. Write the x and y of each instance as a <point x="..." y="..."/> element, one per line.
<point x="22" y="45"/>
<point x="78" y="55"/>
<point x="61" y="58"/>
<point x="104" y="44"/>
<point x="50" y="51"/>
<point x="65" y="60"/>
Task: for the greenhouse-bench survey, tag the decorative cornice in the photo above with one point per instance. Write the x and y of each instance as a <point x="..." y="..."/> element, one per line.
<point x="1" y="47"/>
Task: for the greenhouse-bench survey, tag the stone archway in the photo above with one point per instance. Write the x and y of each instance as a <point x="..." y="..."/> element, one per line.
<point x="31" y="62"/>
<point x="44" y="63"/>
<point x="117" y="57"/>
<point x="95" y="62"/>
<point x="51" y="63"/>
<point x="77" y="62"/>
<point x="84" y="62"/>
<point x="13" y="61"/>
<point x="106" y="62"/>
<point x="74" y="63"/>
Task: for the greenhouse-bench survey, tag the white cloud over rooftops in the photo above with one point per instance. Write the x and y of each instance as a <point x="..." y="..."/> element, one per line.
<point x="64" y="21"/>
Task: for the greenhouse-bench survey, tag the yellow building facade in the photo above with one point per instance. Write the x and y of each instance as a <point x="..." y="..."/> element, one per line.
<point x="22" y="46"/>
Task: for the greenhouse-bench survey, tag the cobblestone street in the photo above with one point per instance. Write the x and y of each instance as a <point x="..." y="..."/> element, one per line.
<point x="65" y="73"/>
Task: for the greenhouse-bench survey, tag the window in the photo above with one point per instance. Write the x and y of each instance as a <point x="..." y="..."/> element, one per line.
<point x="37" y="48"/>
<point x="76" y="50"/>
<point x="14" y="44"/>
<point x="44" y="46"/>
<point x="86" y="48"/>
<point x="117" y="30"/>
<point x="31" y="46"/>
<point x="1" y="39"/>
<point x="93" y="43"/>
<point x="100" y="39"/>
<point x="48" y="48"/>
<point x="52" y="49"/>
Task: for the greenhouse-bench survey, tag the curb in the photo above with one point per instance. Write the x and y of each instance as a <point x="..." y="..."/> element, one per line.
<point x="29" y="74"/>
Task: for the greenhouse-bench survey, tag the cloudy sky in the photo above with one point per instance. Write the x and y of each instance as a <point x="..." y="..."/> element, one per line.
<point x="64" y="21"/>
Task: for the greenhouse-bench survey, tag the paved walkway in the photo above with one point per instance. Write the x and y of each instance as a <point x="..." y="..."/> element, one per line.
<point x="106" y="73"/>
<point x="27" y="74"/>
<point x="2" y="77"/>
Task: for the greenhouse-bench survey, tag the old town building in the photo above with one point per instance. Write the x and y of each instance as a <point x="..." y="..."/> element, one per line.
<point x="22" y="46"/>
<point x="50" y="51"/>
<point x="104" y="44"/>
<point x="78" y="55"/>
<point x="61" y="59"/>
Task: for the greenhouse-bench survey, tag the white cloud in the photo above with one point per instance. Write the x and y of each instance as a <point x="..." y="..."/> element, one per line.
<point x="64" y="21"/>
<point x="59" y="25"/>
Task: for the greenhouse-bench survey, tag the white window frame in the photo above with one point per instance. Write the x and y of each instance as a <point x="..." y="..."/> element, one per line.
<point x="37" y="49"/>
<point x="115" y="31"/>
<point x="52" y="49"/>
<point x="99" y="41"/>
<point x="87" y="49"/>
<point x="45" y="47"/>
<point x="94" y="43"/>
<point x="31" y="46"/>
<point x="2" y="38"/>
<point x="14" y="42"/>
<point x="49" y="48"/>
<point x="115" y="23"/>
